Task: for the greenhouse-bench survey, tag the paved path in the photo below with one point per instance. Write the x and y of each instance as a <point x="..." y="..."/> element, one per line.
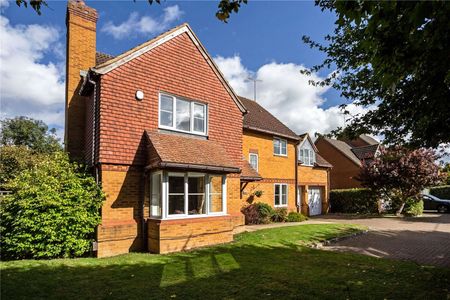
<point x="425" y="240"/>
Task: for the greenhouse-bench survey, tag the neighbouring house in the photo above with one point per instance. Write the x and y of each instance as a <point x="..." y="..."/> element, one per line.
<point x="347" y="157"/>
<point x="289" y="171"/>
<point x="313" y="178"/>
<point x="162" y="130"/>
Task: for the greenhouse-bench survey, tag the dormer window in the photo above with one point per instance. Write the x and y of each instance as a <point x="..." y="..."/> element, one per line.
<point x="182" y="115"/>
<point x="307" y="155"/>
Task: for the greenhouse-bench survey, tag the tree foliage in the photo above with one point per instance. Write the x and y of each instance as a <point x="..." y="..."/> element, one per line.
<point x="400" y="174"/>
<point x="30" y="133"/>
<point x="52" y="212"/>
<point x="225" y="7"/>
<point x="15" y="160"/>
<point x="392" y="57"/>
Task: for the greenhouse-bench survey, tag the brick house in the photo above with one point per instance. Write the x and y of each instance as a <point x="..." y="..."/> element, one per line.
<point x="288" y="174"/>
<point x="162" y="131"/>
<point x="347" y="157"/>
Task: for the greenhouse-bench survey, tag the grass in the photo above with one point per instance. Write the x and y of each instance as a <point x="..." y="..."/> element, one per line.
<point x="271" y="263"/>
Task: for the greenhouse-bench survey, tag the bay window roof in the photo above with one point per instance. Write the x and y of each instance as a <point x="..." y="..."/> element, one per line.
<point x="187" y="153"/>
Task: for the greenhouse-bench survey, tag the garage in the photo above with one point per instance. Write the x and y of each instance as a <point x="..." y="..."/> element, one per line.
<point x="315" y="201"/>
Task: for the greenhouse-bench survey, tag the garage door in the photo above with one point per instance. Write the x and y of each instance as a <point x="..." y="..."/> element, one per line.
<point x="315" y="201"/>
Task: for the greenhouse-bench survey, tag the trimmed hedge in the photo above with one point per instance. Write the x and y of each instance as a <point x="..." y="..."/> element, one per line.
<point x="442" y="192"/>
<point x="362" y="201"/>
<point x="296" y="217"/>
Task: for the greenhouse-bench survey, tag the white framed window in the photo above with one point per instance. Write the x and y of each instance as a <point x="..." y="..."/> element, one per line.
<point x="307" y="155"/>
<point x="280" y="194"/>
<point x="187" y="194"/>
<point x="279" y="147"/>
<point x="253" y="160"/>
<point x="182" y="115"/>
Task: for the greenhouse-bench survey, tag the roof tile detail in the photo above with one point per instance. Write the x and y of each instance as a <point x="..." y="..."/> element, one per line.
<point x="248" y="173"/>
<point x="101" y="58"/>
<point x="259" y="119"/>
<point x="177" y="151"/>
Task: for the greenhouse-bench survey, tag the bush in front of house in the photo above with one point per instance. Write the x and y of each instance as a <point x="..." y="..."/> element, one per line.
<point x="52" y="212"/>
<point x="442" y="192"/>
<point x="413" y="208"/>
<point x="257" y="213"/>
<point x="296" y="217"/>
<point x="362" y="201"/>
<point x="279" y="215"/>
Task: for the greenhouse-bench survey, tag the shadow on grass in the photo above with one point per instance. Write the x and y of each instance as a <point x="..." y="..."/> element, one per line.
<point x="239" y="271"/>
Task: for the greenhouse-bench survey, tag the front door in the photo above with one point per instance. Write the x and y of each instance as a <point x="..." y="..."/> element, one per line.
<point x="314" y="201"/>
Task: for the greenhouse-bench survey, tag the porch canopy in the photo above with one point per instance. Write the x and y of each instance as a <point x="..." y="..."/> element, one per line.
<point x="248" y="173"/>
<point x="167" y="150"/>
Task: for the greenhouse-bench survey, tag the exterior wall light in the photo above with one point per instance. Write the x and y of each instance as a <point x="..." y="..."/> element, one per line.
<point x="139" y="95"/>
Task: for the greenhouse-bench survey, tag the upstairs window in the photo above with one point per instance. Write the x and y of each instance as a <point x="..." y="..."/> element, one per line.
<point x="279" y="147"/>
<point x="253" y="159"/>
<point x="307" y="155"/>
<point x="182" y="115"/>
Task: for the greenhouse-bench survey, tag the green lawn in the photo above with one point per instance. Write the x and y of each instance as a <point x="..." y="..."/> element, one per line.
<point x="267" y="264"/>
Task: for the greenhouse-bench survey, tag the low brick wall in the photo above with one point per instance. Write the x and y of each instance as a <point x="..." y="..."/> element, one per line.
<point x="166" y="236"/>
<point x="116" y="238"/>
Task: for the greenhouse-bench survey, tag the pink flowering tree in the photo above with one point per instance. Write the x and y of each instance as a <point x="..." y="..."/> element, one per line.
<point x="399" y="174"/>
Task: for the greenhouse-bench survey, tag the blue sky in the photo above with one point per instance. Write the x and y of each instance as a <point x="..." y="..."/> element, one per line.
<point x="262" y="40"/>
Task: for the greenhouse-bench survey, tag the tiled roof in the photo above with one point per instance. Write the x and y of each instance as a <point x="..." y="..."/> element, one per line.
<point x="369" y="140"/>
<point x="345" y="148"/>
<point x="321" y="162"/>
<point x="259" y="119"/>
<point x="192" y="153"/>
<point x="365" y="152"/>
<point x="102" y="58"/>
<point x="248" y="173"/>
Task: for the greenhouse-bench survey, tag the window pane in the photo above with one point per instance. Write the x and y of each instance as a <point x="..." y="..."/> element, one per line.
<point x="166" y="118"/>
<point x="276" y="146"/>
<point x="283" y="147"/>
<point x="196" y="196"/>
<point x="183" y="117"/>
<point x="277" y="194"/>
<point x="199" y="125"/>
<point x="215" y="194"/>
<point x="176" y="195"/>
<point x="284" y="194"/>
<point x="254" y="161"/>
<point x="199" y="111"/>
<point x="166" y="103"/>
<point x="155" y="209"/>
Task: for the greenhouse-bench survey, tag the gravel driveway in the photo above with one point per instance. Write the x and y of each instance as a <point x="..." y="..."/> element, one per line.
<point x="425" y="240"/>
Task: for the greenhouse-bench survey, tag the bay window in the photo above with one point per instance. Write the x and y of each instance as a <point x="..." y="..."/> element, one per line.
<point x="182" y="115"/>
<point x="185" y="194"/>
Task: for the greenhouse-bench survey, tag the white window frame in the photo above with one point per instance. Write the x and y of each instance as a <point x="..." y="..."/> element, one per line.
<point x="280" y="140"/>
<point x="174" y="117"/>
<point x="311" y="155"/>
<point x="281" y="194"/>
<point x="165" y="195"/>
<point x="257" y="160"/>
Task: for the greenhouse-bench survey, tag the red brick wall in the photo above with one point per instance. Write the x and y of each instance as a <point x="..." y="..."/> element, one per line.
<point x="344" y="171"/>
<point x="176" y="67"/>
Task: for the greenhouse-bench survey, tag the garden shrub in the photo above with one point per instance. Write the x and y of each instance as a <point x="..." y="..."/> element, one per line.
<point x="279" y="215"/>
<point x="52" y="212"/>
<point x="362" y="201"/>
<point x="442" y="192"/>
<point x="257" y="213"/>
<point x="413" y="208"/>
<point x="296" y="217"/>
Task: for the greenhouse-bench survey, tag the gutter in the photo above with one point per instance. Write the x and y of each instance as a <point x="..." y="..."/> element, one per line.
<point x="193" y="167"/>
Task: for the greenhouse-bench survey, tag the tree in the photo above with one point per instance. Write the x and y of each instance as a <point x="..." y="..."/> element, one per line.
<point x="400" y="174"/>
<point x="27" y="132"/>
<point x="52" y="211"/>
<point x="15" y="160"/>
<point x="393" y="57"/>
<point x="225" y="7"/>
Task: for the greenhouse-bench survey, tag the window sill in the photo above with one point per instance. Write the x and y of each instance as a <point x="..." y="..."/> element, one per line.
<point x="183" y="217"/>
<point x="281" y="206"/>
<point x="280" y="155"/>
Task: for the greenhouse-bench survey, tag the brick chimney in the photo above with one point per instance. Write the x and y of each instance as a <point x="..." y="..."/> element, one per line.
<point x="81" y="23"/>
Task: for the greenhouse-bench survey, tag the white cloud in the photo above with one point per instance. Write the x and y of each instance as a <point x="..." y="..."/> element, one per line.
<point x="143" y="25"/>
<point x="4" y="3"/>
<point x="286" y="93"/>
<point x="29" y="86"/>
